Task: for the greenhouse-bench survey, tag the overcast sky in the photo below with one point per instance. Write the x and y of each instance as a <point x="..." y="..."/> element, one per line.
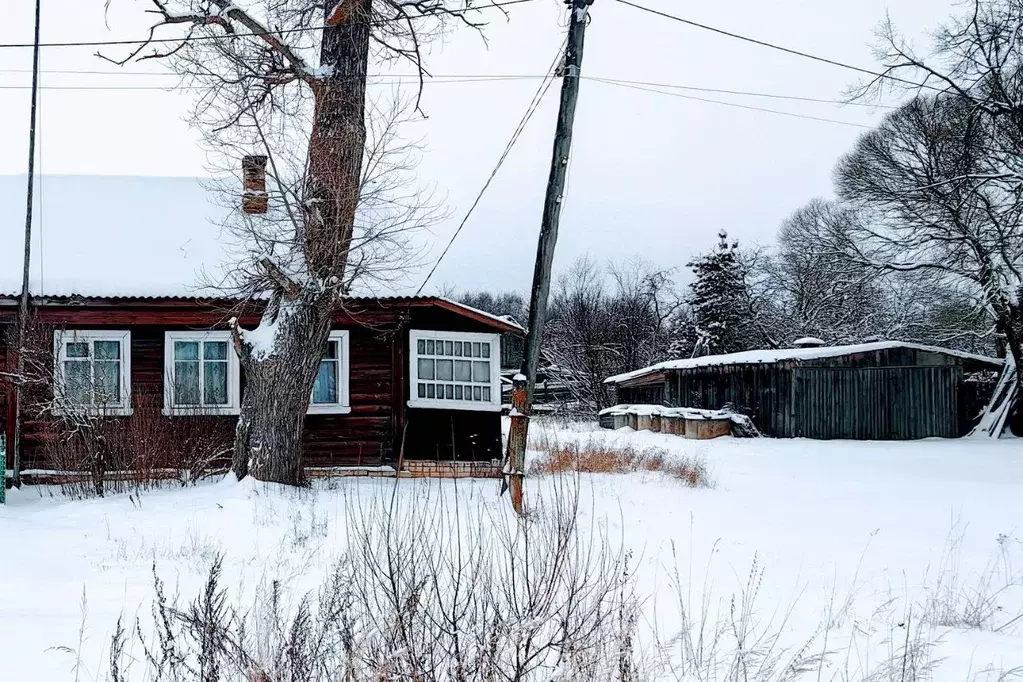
<point x="652" y="175"/>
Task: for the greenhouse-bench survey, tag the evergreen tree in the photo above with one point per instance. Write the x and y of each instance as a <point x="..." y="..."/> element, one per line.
<point x="720" y="302"/>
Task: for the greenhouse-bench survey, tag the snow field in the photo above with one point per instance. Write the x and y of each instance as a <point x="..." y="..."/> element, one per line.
<point x="861" y="550"/>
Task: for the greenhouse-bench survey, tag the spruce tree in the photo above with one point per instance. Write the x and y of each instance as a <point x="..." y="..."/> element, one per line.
<point x="719" y="300"/>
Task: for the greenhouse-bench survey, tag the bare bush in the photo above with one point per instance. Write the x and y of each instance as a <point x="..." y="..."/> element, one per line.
<point x="110" y="455"/>
<point x="958" y="599"/>
<point x="597" y="457"/>
<point x="484" y="599"/>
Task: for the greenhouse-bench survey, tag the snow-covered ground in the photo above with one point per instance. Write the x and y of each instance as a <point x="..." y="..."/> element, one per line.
<point x="867" y="537"/>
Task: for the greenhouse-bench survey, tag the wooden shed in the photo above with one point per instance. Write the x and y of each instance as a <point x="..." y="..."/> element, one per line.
<point x="888" y="390"/>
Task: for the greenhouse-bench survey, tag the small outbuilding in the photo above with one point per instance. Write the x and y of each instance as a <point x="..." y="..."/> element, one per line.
<point x="887" y="390"/>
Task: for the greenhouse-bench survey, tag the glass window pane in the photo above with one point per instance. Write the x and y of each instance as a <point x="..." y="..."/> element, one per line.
<point x="421" y="346"/>
<point x="186" y="350"/>
<point x="486" y="394"/>
<point x="468" y="392"/>
<point x="486" y="350"/>
<point x="444" y="370"/>
<point x="325" y="387"/>
<point x="475" y="349"/>
<point x="429" y="347"/>
<point x="449" y="391"/>
<point x="448" y="348"/>
<point x="422" y="390"/>
<point x="77" y="384"/>
<point x="186" y="383"/>
<point x="78" y="349"/>
<point x="458" y="392"/>
<point x="108" y="380"/>
<point x="463" y="370"/>
<point x="458" y="349"/>
<point x="108" y="350"/>
<point x="481" y="371"/>
<point x="430" y="391"/>
<point x="476" y="393"/>
<point x="425" y="369"/>
<point x="214" y="383"/>
<point x="214" y="350"/>
<point x="331" y="350"/>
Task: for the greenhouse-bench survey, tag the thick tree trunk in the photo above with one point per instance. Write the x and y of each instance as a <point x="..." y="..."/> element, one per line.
<point x="280" y="359"/>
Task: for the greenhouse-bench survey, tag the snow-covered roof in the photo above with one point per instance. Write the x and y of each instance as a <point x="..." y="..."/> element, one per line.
<point x="112" y="236"/>
<point x="128" y="237"/>
<point x="503" y="319"/>
<point x="756" y="357"/>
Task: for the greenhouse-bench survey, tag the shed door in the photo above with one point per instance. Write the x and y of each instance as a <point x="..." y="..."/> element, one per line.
<point x="877" y="403"/>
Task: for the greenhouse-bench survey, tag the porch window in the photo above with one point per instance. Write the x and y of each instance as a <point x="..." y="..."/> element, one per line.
<point x="455" y="370"/>
<point x="201" y="373"/>
<point x="330" y="390"/>
<point x="91" y="372"/>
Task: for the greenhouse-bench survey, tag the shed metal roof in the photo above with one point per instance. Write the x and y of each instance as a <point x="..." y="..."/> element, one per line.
<point x="758" y="357"/>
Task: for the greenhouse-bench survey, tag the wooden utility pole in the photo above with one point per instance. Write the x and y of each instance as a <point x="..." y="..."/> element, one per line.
<point x="23" y="302"/>
<point x="525" y="384"/>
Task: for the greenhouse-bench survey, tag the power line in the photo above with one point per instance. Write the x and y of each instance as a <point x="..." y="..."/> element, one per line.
<point x="304" y="29"/>
<point x="167" y="88"/>
<point x="530" y="110"/>
<point x="733" y="104"/>
<point x="744" y="93"/>
<point x="462" y="78"/>
<point x="773" y="46"/>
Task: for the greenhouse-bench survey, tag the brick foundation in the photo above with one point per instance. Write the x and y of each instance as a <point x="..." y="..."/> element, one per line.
<point x="449" y="469"/>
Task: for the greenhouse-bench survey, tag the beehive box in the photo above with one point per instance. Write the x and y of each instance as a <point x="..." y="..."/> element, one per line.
<point x="704" y="429"/>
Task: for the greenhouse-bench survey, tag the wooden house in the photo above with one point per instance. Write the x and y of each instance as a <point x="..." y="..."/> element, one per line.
<point x="418" y="376"/>
<point x="888" y="390"/>
<point x="116" y="297"/>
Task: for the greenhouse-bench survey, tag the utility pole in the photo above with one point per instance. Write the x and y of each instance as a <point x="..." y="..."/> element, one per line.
<point x="525" y="383"/>
<point x="23" y="302"/>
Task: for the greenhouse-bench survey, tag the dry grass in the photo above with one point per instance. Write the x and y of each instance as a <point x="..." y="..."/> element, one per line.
<point x="595" y="457"/>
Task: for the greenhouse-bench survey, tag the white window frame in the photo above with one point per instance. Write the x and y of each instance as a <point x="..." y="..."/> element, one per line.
<point x="344" y="405"/>
<point x="62" y="337"/>
<point x="233" y="375"/>
<point x="442" y="404"/>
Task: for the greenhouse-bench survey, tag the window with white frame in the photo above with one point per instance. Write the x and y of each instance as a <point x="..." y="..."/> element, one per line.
<point x="330" y="390"/>
<point x="455" y="370"/>
<point x="201" y="373"/>
<point x="92" y="371"/>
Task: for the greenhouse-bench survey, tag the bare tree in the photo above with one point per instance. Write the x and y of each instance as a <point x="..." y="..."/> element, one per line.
<point x="287" y="79"/>
<point x="925" y="203"/>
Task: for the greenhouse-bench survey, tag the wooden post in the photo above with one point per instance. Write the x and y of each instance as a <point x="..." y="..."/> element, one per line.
<point x="515" y="469"/>
<point x="516" y="456"/>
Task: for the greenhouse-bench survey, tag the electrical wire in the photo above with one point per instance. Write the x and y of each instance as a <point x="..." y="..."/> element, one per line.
<point x="744" y="93"/>
<point x="780" y="48"/>
<point x="377" y="80"/>
<point x="457" y="78"/>
<point x="530" y="110"/>
<point x="735" y="104"/>
<point x="304" y="29"/>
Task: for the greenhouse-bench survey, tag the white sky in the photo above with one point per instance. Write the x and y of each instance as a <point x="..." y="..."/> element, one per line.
<point x="652" y="175"/>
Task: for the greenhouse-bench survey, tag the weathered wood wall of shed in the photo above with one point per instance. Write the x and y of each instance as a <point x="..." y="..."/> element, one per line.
<point x="764" y="392"/>
<point x="897" y="393"/>
<point x="642" y="395"/>
<point x="878" y="403"/>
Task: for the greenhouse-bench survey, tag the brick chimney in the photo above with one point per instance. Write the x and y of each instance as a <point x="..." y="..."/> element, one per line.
<point x="254" y="196"/>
